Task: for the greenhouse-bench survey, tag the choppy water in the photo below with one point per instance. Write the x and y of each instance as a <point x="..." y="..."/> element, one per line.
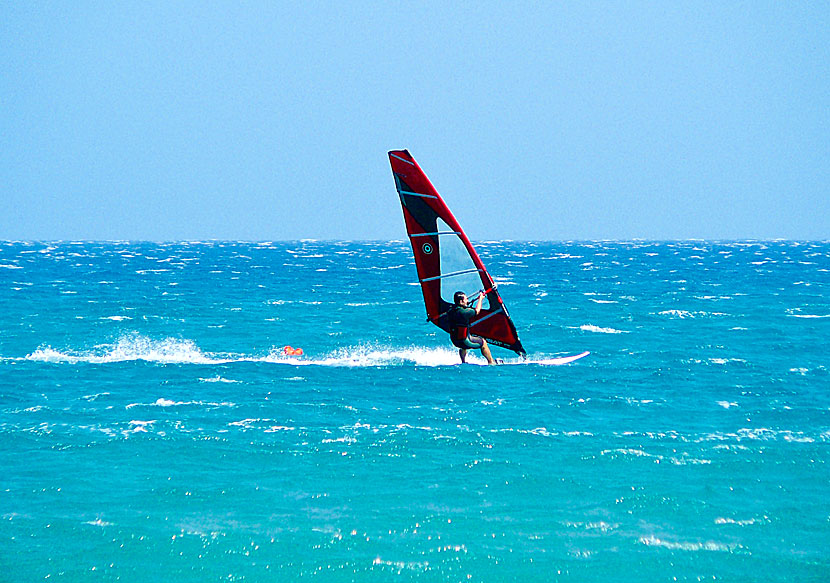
<point x="152" y="429"/>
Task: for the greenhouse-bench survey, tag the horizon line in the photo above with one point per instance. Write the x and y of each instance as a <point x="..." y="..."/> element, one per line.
<point x="481" y="241"/>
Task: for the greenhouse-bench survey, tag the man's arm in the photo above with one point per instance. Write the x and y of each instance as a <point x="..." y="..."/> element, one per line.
<point x="478" y="303"/>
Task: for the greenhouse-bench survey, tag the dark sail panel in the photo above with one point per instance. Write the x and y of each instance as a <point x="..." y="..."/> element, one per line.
<point x="444" y="257"/>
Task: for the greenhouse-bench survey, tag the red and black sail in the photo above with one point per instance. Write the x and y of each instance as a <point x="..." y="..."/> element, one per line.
<point x="445" y="258"/>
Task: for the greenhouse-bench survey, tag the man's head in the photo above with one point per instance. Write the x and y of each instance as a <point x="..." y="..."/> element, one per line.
<point x="460" y="298"/>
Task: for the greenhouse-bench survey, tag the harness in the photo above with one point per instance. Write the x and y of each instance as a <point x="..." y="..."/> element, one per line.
<point x="461" y="333"/>
<point x="457" y="333"/>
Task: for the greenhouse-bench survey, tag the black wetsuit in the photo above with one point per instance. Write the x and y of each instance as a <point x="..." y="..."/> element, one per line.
<point x="459" y="320"/>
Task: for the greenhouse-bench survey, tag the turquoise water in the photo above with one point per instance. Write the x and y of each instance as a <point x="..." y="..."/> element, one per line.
<point x="152" y="429"/>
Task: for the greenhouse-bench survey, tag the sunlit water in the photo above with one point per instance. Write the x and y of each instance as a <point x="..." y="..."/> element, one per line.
<point x="153" y="430"/>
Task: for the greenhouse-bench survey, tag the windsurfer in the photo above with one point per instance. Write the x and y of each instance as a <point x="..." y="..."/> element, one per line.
<point x="460" y="316"/>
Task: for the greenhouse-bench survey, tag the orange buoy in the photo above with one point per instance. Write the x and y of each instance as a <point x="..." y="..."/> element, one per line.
<point x="290" y="351"/>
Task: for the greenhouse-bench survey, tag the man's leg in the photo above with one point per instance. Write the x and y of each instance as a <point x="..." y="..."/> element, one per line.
<point x="485" y="351"/>
<point x="462" y="352"/>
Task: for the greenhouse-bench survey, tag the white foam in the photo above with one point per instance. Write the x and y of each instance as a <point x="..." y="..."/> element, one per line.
<point x="368" y="356"/>
<point x="653" y="541"/>
<point x="601" y="525"/>
<point x="629" y="451"/>
<point x="761" y="434"/>
<point x="135" y="347"/>
<point x="683" y="314"/>
<point x="132" y="347"/>
<point x="746" y="522"/>
<point x="600" y="330"/>
<point x="218" y="379"/>
<point x="162" y="402"/>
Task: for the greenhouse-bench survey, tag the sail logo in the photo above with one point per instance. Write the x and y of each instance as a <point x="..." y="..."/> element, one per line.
<point x="427" y="248"/>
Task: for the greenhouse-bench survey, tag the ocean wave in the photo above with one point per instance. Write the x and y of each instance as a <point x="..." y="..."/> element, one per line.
<point x="600" y="330"/>
<point x="218" y="379"/>
<point x="765" y="434"/>
<point x="601" y="525"/>
<point x="653" y="541"/>
<point x="809" y="316"/>
<point x="683" y="314"/>
<point x="162" y="402"/>
<point x="683" y="459"/>
<point x="267" y="425"/>
<point x="746" y="522"/>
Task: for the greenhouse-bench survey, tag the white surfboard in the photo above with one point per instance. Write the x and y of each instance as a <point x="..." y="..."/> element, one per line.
<point x="563" y="359"/>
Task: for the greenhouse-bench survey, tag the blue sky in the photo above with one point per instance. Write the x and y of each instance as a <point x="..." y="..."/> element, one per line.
<point x="584" y="120"/>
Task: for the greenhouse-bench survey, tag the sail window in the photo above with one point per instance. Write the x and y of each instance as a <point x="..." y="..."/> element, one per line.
<point x="458" y="272"/>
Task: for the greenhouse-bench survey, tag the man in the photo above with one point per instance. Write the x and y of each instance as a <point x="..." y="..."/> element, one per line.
<point x="459" y="317"/>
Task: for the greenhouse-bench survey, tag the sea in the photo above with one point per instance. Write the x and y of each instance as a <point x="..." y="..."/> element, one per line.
<point x="152" y="428"/>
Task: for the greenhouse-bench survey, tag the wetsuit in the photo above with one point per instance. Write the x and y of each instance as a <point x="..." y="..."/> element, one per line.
<point x="459" y="319"/>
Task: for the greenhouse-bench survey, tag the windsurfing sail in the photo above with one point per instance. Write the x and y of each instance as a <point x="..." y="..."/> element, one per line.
<point x="445" y="258"/>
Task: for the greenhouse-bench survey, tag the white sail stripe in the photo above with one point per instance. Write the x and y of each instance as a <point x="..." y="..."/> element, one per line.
<point x="417" y="194"/>
<point x="402" y="160"/>
<point x="490" y="315"/>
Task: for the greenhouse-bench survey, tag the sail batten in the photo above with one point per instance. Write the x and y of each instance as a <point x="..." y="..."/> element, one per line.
<point x="451" y="274"/>
<point x="436" y="233"/>
<point x="444" y="257"/>
<point x="418" y="194"/>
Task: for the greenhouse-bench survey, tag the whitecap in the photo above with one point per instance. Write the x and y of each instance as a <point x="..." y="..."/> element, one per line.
<point x="745" y="522"/>
<point x="682" y="314"/>
<point x="599" y="330"/>
<point x="600" y="526"/>
<point x="653" y="541"/>
<point x="162" y="402"/>
<point x="218" y="379"/>
<point x="627" y="451"/>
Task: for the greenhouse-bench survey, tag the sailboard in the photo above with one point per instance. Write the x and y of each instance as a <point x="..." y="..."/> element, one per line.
<point x="445" y="259"/>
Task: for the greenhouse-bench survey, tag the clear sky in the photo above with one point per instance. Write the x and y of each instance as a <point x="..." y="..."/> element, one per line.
<point x="260" y="121"/>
